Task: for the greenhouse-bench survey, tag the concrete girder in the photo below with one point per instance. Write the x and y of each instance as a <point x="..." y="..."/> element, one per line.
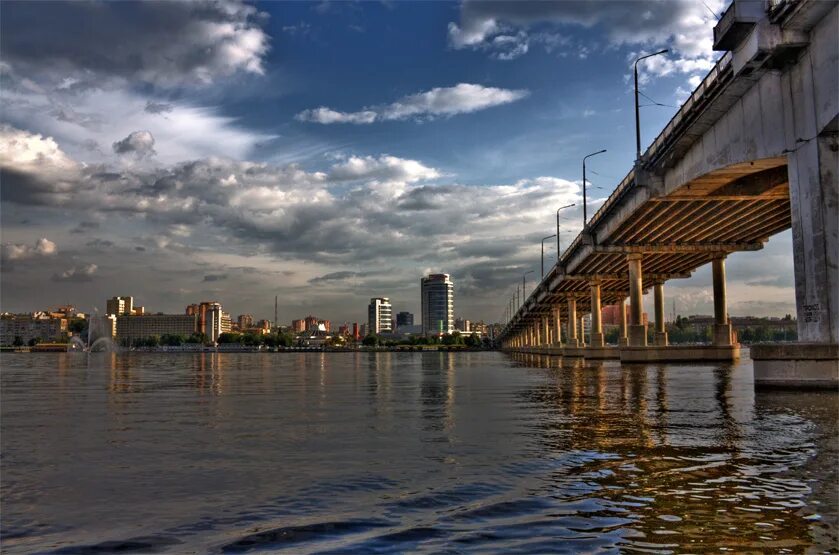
<point x="667" y="230"/>
<point x="735" y="222"/>
<point x="726" y="215"/>
<point x="679" y="248"/>
<point x="659" y="216"/>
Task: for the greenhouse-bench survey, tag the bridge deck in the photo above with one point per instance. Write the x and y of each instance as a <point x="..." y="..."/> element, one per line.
<point x="736" y="208"/>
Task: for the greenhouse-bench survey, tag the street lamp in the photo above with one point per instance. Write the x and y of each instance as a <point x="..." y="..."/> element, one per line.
<point x="637" y="115"/>
<point x="524" y="284"/>
<point x="557" y="228"/>
<point x="543" y="252"/>
<point x="585" y="219"/>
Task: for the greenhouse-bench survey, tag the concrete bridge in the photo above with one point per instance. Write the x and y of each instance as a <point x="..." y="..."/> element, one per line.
<point x="751" y="153"/>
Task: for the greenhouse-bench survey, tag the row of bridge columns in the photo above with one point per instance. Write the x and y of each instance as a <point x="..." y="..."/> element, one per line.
<point x="545" y="331"/>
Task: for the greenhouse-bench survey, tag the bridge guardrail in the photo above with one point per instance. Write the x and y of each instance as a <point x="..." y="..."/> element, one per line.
<point x="663" y="138"/>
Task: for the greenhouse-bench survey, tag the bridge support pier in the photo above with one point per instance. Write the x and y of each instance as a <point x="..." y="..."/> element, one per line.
<point x="814" y="198"/>
<point x="637" y="328"/>
<point x="723" y="334"/>
<point x="596" y="322"/>
<point x="660" y="330"/>
<point x="546" y="340"/>
<point x="557" y="327"/>
<point x="622" y="341"/>
<point x="572" y="323"/>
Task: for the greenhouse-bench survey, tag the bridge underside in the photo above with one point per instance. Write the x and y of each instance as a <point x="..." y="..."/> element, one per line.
<point x="751" y="153"/>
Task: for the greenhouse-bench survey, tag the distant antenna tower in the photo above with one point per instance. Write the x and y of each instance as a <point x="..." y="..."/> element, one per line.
<point x="276" y="318"/>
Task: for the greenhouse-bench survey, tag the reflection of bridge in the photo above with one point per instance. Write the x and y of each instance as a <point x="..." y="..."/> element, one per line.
<point x="752" y="152"/>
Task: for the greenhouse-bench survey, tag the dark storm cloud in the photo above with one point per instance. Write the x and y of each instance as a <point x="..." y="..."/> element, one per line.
<point x="338" y="276"/>
<point x="214" y="277"/>
<point x="165" y="43"/>
<point x="84" y="227"/>
<point x="158" y="107"/>
<point x="100" y="244"/>
<point x="137" y="143"/>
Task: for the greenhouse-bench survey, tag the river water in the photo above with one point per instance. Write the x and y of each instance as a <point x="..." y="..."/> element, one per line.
<point x="408" y="452"/>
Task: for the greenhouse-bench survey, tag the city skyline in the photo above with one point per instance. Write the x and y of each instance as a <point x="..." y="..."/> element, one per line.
<point x="241" y="175"/>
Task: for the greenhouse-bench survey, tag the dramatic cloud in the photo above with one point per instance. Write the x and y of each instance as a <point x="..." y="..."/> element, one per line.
<point x="164" y="43"/>
<point x="505" y="28"/>
<point x="87" y="123"/>
<point x="215" y="277"/>
<point x="77" y="273"/>
<point x="42" y="247"/>
<point x="463" y="98"/>
<point x="139" y="144"/>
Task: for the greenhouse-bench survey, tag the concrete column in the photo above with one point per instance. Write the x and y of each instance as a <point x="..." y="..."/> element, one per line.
<point x="546" y="340"/>
<point x="660" y="330"/>
<point x="622" y="323"/>
<point x="558" y="326"/>
<point x="582" y="329"/>
<point x="572" y="322"/>
<point x="596" y="320"/>
<point x="637" y="329"/>
<point x="722" y="327"/>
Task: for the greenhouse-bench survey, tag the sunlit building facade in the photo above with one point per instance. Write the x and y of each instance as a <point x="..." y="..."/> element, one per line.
<point x="437" y="291"/>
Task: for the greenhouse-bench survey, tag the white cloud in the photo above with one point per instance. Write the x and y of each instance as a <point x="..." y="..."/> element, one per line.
<point x="163" y="43"/>
<point x="77" y="273"/>
<point x="504" y="28"/>
<point x="327" y="115"/>
<point x="382" y="168"/>
<point x="463" y="98"/>
<point x="17" y="251"/>
<point x="88" y="122"/>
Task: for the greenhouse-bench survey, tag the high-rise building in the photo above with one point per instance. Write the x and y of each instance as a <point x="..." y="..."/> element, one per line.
<point x="404" y="319"/>
<point x="462" y="325"/>
<point x="245" y="321"/>
<point x="356" y="334"/>
<point x="437" y="292"/>
<point x="311" y="322"/>
<point x="379" y="313"/>
<point x="119" y="305"/>
<point x="298" y="326"/>
<point x="212" y="321"/>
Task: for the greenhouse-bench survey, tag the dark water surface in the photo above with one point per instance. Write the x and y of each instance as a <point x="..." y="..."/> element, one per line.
<point x="396" y="452"/>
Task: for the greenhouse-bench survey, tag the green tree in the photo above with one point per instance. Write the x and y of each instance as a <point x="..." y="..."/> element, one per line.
<point x="34" y="341"/>
<point x="172" y="340"/>
<point x="371" y="340"/>
<point x="18" y="342"/>
<point x="76" y="325"/>
<point x="197" y="338"/>
<point x="229" y="337"/>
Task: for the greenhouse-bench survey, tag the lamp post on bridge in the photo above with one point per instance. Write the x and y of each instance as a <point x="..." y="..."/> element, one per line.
<point x="543" y="252"/>
<point x="557" y="228"/>
<point x="524" y="285"/>
<point x="585" y="218"/>
<point x="637" y="108"/>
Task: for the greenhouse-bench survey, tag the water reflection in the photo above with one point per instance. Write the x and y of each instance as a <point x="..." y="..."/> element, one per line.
<point x="408" y="452"/>
<point x="688" y="473"/>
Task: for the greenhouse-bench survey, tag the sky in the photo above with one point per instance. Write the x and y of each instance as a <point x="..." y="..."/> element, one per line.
<point x="330" y="152"/>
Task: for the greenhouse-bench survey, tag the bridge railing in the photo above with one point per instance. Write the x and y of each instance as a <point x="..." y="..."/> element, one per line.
<point x="667" y="134"/>
<point x="672" y="130"/>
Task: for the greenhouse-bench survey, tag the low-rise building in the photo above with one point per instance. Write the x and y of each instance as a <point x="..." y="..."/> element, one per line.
<point x="131" y="327"/>
<point x="38" y="326"/>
